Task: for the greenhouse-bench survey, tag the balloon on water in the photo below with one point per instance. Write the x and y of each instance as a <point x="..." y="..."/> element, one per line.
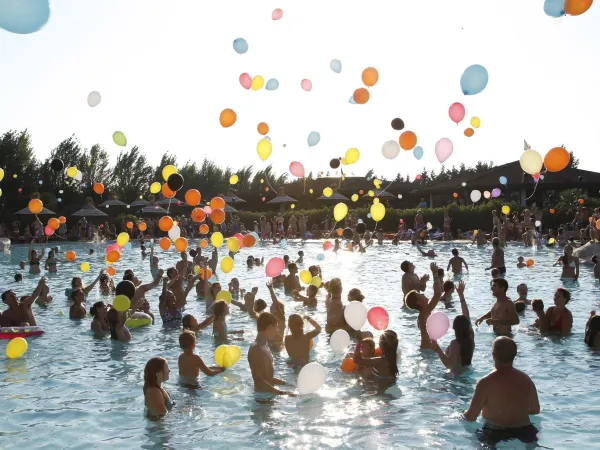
<point x="443" y="149"/>
<point x="378" y="318"/>
<point x="355" y="314"/>
<point x="24" y="16"/>
<point x="16" y="348"/>
<point x="311" y="378"/>
<point x="336" y="65"/>
<point x="272" y="85"/>
<point x="339" y="341"/>
<point x="437" y="325"/>
<point x="313" y="138"/>
<point x="283" y="243"/>
<point x="227" y="355"/>
<point x="418" y="152"/>
<point x="474" y="79"/>
<point x="320" y="257"/>
<point x="93" y="99"/>
<point x="390" y="149"/>
<point x="240" y="45"/>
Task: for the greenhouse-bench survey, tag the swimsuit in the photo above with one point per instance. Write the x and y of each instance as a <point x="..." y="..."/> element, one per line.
<point x="172" y="321"/>
<point x="491" y="434"/>
<point x="557" y="326"/>
<point x="216" y="333"/>
<point x="154" y="271"/>
<point x="34" y="263"/>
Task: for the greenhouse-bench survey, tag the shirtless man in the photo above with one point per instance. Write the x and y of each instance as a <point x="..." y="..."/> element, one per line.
<point x="503" y="313"/>
<point x="176" y="285"/>
<point x="456" y="262"/>
<point x="260" y="357"/>
<point x="479" y="237"/>
<point x="507" y="397"/>
<point x="497" y="257"/>
<point x="419" y="221"/>
<point x="429" y="253"/>
<point x="410" y="280"/>
<point x="20" y="312"/>
<point x="140" y="289"/>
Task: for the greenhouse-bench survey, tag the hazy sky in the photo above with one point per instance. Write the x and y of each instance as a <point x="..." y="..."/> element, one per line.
<point x="166" y="69"/>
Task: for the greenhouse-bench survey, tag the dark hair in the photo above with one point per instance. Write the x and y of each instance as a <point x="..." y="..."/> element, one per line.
<point x="128" y="276"/>
<point x="495" y="272"/>
<point x="292" y="266"/>
<point x="502" y="283"/>
<point x="462" y="330"/>
<point x="448" y="284"/>
<point x="94" y="308"/>
<point x="335" y="286"/>
<point x="314" y="270"/>
<point x="4" y="294"/>
<point x="153" y="367"/>
<point x="495" y="242"/>
<point x="591" y="330"/>
<point x="388" y="342"/>
<point x="113" y="318"/>
<point x="356" y="294"/>
<point x="441" y="273"/>
<point x="170" y="271"/>
<point x="265" y="320"/>
<point x="411" y="300"/>
<point x="260" y="305"/>
<point x="565" y="293"/>
<point x="404" y="266"/>
<point x="187" y="339"/>
<point x="312" y="290"/>
<point x="295" y="324"/>
<point x="595" y="259"/>
<point x="520" y="306"/>
<point x="18" y="277"/>
<point x="506" y="349"/>
<point x="537" y="304"/>
<point x="186" y="321"/>
<point x="455" y="252"/>
<point x="219" y="309"/>
<point x="104" y="278"/>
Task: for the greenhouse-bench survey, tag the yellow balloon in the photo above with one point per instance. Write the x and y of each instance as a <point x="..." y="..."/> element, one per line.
<point x="257" y="82"/>
<point x="344" y="162"/>
<point x="352" y="156"/>
<point x="505" y="209"/>
<point x="377" y="183"/>
<point x="340" y="211"/>
<point x="216" y="239"/>
<point x="371" y="194"/>
<point x="375" y="200"/>
<point x="16" y="348"/>
<point x="121" y="303"/>
<point x="531" y="162"/>
<point x="168" y="171"/>
<point x="475" y="122"/>
<point x="72" y="172"/>
<point x="316" y="281"/>
<point x="155" y="187"/>
<point x="354" y="197"/>
<point x="119" y="138"/>
<point x="327" y="192"/>
<point x="122" y="239"/>
<point x="551" y="241"/>
<point x="264" y="149"/>
<point x="224" y="296"/>
<point x="220" y="353"/>
<point x="0" y="192"/>
<point x="305" y="277"/>
<point x="233" y="179"/>
<point x="1" y="174"/>
<point x="233" y="244"/>
<point x="197" y="270"/>
<point x="227" y="355"/>
<point x="377" y="211"/>
<point x="85" y="267"/>
<point x="227" y="264"/>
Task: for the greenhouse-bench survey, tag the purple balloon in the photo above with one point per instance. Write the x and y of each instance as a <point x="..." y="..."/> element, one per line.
<point x="438" y="325"/>
<point x="443" y="149"/>
<point x="496" y="193"/>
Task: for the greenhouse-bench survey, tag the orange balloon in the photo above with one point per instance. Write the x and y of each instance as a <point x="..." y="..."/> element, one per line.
<point x="408" y="140"/>
<point x="370" y="76"/>
<point x="577" y="7"/>
<point x="165" y="223"/>
<point x="249" y="241"/>
<point x="598" y="224"/>
<point x="208" y="272"/>
<point x="263" y="128"/>
<point x="181" y="244"/>
<point x="530" y="263"/>
<point x="130" y="225"/>
<point x="35" y="206"/>
<point x="227" y="118"/>
<point x="111" y="271"/>
<point x="552" y="211"/>
<point x="113" y="256"/>
<point x="204" y="242"/>
<point x="54" y="223"/>
<point x="167" y="192"/>
<point x="164" y="243"/>
<point x="556" y="159"/>
<point x="378" y="352"/>
<point x="70" y="255"/>
<point x="204" y="229"/>
<point x="192" y="197"/>
<point x="217" y="216"/>
<point x="361" y="96"/>
<point x="217" y="203"/>
<point x="198" y="215"/>
<point x="581" y="201"/>
<point x="339" y="231"/>
<point x="469" y="132"/>
<point x="62" y="219"/>
<point x="348" y="365"/>
<point x="142" y="226"/>
<point x="99" y="188"/>
<point x="455" y="195"/>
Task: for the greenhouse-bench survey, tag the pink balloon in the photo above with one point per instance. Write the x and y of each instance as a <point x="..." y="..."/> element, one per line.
<point x="438" y="325"/>
<point x="240" y="237"/>
<point x="48" y="231"/>
<point x="496" y="193"/>
<point x="112" y="247"/>
<point x="443" y="149"/>
<point x="457" y="112"/>
<point x="378" y="318"/>
<point x="245" y="80"/>
<point x="207" y="209"/>
<point x="306" y="84"/>
<point x="274" y="267"/>
<point x="327" y="245"/>
<point x="277" y="14"/>
<point x="297" y="169"/>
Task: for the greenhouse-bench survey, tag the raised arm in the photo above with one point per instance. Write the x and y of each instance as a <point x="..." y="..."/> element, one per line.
<point x="35" y="294"/>
<point x="146" y="287"/>
<point x="460" y="290"/>
<point x="89" y="288"/>
<point x="317" y="328"/>
<point x="437" y="288"/>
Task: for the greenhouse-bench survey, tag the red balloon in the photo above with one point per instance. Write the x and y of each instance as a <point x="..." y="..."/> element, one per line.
<point x="378" y="318"/>
<point x="274" y="267"/>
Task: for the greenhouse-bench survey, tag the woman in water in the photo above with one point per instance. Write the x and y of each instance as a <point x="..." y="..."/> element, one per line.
<point x="560" y="319"/>
<point x="592" y="331"/>
<point x="221" y="311"/>
<point x="107" y="286"/>
<point x="570" y="264"/>
<point x="116" y="321"/>
<point x="34" y="259"/>
<point x="153" y="261"/>
<point x="169" y="312"/>
<point x="384" y="367"/>
<point x="77" y="309"/>
<point x="298" y="343"/>
<point x="77" y="283"/>
<point x="100" y="325"/>
<point x="51" y="262"/>
<point x="335" y="307"/>
<point x="156" y="398"/>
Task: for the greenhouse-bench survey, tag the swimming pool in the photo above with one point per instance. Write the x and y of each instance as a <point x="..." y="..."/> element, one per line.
<point x="73" y="391"/>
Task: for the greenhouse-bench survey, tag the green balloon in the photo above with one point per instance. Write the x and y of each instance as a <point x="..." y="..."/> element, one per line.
<point x="119" y="138"/>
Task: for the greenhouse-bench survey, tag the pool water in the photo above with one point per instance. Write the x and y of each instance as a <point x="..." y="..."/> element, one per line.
<point x="71" y="390"/>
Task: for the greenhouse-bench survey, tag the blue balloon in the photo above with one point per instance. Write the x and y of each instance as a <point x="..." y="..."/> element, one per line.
<point x="24" y="16"/>
<point x="474" y="80"/>
<point x="240" y="45"/>
<point x="128" y="246"/>
<point x="541" y="177"/>
<point x="267" y="138"/>
<point x="283" y="243"/>
<point x="320" y="257"/>
<point x="369" y="215"/>
<point x="272" y="84"/>
<point x="554" y="8"/>
<point x="313" y="138"/>
<point x="503" y="180"/>
<point x="336" y="65"/>
<point x="352" y="100"/>
<point x="418" y="152"/>
<point x="255" y="236"/>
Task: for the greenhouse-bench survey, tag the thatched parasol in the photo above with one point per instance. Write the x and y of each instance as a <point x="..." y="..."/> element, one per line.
<point x="335" y="196"/>
<point x="89" y="210"/>
<point x="233" y="199"/>
<point x="139" y="202"/>
<point x="113" y="202"/>
<point x="229" y="209"/>
<point x="152" y="209"/>
<point x="26" y="212"/>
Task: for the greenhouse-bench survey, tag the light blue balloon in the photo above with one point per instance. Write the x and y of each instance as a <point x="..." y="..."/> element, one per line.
<point x="336" y="65"/>
<point x="352" y="100"/>
<point x="267" y="138"/>
<point x="503" y="180"/>
<point x="272" y="84"/>
<point x="255" y="236"/>
<point x="474" y="80"/>
<point x="128" y="246"/>
<point x="283" y="243"/>
<point x="320" y="257"/>
<point x="240" y="45"/>
<point x="59" y="200"/>
<point x="418" y="152"/>
<point x="541" y="177"/>
<point x="24" y="16"/>
<point x="554" y="8"/>
<point x="313" y="138"/>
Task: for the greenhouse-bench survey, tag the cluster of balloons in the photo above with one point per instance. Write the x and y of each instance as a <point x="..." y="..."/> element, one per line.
<point x="370" y="76"/>
<point x="257" y="83"/>
<point x="555" y="160"/>
<point x="53" y="224"/>
<point x="559" y="8"/>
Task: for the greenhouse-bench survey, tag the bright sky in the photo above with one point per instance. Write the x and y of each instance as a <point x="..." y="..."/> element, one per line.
<point x="166" y="69"/>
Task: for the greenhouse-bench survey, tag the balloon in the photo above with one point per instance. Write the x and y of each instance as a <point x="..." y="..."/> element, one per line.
<point x="370" y="76"/>
<point x="557" y="159"/>
<point x="311" y="378"/>
<point x="475" y="196"/>
<point x="487" y="194"/>
<point x="53" y="223"/>
<point x="35" y="206"/>
<point x="554" y="8"/>
<point x="297" y="169"/>
<point x="16" y="348"/>
<point x="48" y="231"/>
<point x="506" y="210"/>
<point x="355" y="314"/>
<point x="457" y="112"/>
<point x="24" y="16"/>
<point x="98" y="188"/>
<point x="377" y="211"/>
<point x="227" y="263"/>
<point x="224" y="295"/>
<point x="334" y="163"/>
<point x="274" y="267"/>
<point x="339" y="341"/>
<point x="577" y="7"/>
<point x="119" y="138"/>
<point x="361" y="228"/>
<point x="354" y="197"/>
<point x="70" y="255"/>
<point x="181" y="244"/>
<point x="165" y="223"/>
<point x="245" y="80"/>
<point x="305" y="277"/>
<point x="233" y="179"/>
<point x="348" y="365"/>
<point x="306" y="85"/>
<point x="84" y="267"/>
<point x="340" y="211"/>
<point x="227" y="355"/>
<point x="257" y="83"/>
<point x="327" y="245"/>
<point x="192" y="198"/>
<point x="72" y="172"/>
<point x="313" y="138"/>
<point x="418" y="152"/>
<point x="233" y="245"/>
<point x="469" y="132"/>
<point x="443" y="149"/>
<point x="198" y="214"/>
<point x="216" y="239"/>
<point x="378" y="317"/>
<point x="204" y="229"/>
<point x="503" y="180"/>
<point x="240" y="46"/>
<point x="474" y="79"/>
<point x="352" y="155"/>
<point x="264" y="149"/>
<point x="352" y="100"/>
<point x="277" y="14"/>
<point x="121" y="303"/>
<point x="164" y="243"/>
<point x="166" y="191"/>
<point x="272" y="84"/>
<point x="217" y="216"/>
<point x="320" y="257"/>
<point x="175" y="182"/>
<point x="93" y="99"/>
<point x="408" y="140"/>
<point x="57" y="165"/>
<point x="142" y="226"/>
<point x="155" y="187"/>
<point x="227" y="117"/>
<point x="249" y="240"/>
<point x="327" y="192"/>
<point x="496" y="192"/>
<point x="217" y="203"/>
<point x="361" y="96"/>
<point x="122" y="239"/>
<point x="530" y="262"/>
<point x="336" y="65"/>
<point x="531" y="162"/>
<point x="390" y="149"/>
<point x="398" y="124"/>
<point x="262" y="128"/>
<point x="475" y="122"/>
<point x="174" y="232"/>
<point x="437" y="325"/>
<point x="113" y="256"/>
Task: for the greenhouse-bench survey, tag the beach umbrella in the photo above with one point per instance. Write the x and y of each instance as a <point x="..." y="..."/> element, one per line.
<point x="336" y="196"/>
<point x="233" y="199"/>
<point x="25" y="212"/>
<point x="153" y="209"/>
<point x="139" y="202"/>
<point x="89" y="210"/>
<point x="113" y="202"/>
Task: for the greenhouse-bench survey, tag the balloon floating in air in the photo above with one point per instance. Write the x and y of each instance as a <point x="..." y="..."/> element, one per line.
<point x="390" y="149"/>
<point x="336" y="65"/>
<point x="24" y="16"/>
<point x="398" y="124"/>
<point x="474" y="80"/>
<point x="496" y="192"/>
<point x="277" y="14"/>
<point x="457" y="112"/>
<point x="240" y="45"/>
<point x="245" y="80"/>
<point x="119" y="138"/>
<point x="306" y="85"/>
<point x="313" y="138"/>
<point x="175" y="182"/>
<point x="94" y="99"/>
<point x="297" y="169"/>
<point x="443" y="149"/>
<point x="334" y="163"/>
<point x="272" y="84"/>
<point x="418" y="152"/>
<point x="554" y="8"/>
<point x="57" y="165"/>
<point x="503" y="180"/>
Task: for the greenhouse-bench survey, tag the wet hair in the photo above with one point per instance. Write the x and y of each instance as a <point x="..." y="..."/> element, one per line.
<point x="260" y="305"/>
<point x="18" y="277"/>
<point x="314" y="270"/>
<point x="455" y="252"/>
<point x="356" y="295"/>
<point x="495" y="242"/>
<point x="501" y="282"/>
<point x="411" y="300"/>
<point x="591" y="331"/>
<point x="448" y="285"/>
<point x="265" y="320"/>
<point x="404" y="266"/>
<point x="153" y="367"/>
<point x="95" y="307"/>
<point x="537" y="304"/>
<point x="286" y="258"/>
<point x="113" y="318"/>
<point x="292" y="266"/>
<point x="565" y="294"/>
<point x="520" y="306"/>
<point x="505" y="349"/>
<point x="388" y="342"/>
<point x="369" y="341"/>
<point x="495" y="273"/>
<point x="73" y="282"/>
<point x="170" y="270"/>
<point x="128" y="276"/>
<point x="522" y="285"/>
<point x="187" y="339"/>
<point x="104" y="278"/>
<point x="520" y="258"/>
<point x="335" y="286"/>
<point x="441" y="273"/>
<point x="595" y="259"/>
<point x="296" y="324"/>
<point x="185" y="322"/>
<point x="219" y="309"/>
<point x="462" y="330"/>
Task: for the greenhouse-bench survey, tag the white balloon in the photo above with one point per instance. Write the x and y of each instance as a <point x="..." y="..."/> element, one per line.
<point x="174" y="232"/>
<point x="355" y="314"/>
<point x="531" y="162"/>
<point x="78" y="177"/>
<point x="94" y="99"/>
<point x="487" y="194"/>
<point x="391" y="149"/>
<point x="311" y="378"/>
<point x="340" y="341"/>
<point x="538" y="223"/>
<point x="475" y="196"/>
<point x="429" y="226"/>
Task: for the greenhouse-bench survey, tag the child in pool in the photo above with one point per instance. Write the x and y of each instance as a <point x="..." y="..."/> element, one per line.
<point x="51" y="262"/>
<point x="367" y="351"/>
<point x="107" y="286"/>
<point x="45" y="298"/>
<point x="278" y="310"/>
<point x="291" y="282"/>
<point x="297" y="344"/>
<point x="156" y="398"/>
<point x="190" y="323"/>
<point x="18" y="278"/>
<point x="300" y="259"/>
<point x="310" y="299"/>
<point x="355" y="295"/>
<point x="538" y="308"/>
<point x="100" y="325"/>
<point x="221" y="310"/>
<point x="234" y="288"/>
<point x="249" y="304"/>
<point x="385" y="366"/>
<point x="145" y="308"/>
<point x="189" y="363"/>
<point x="415" y="300"/>
<point x="521" y="262"/>
<point x="448" y="288"/>
<point x="116" y="321"/>
<point x="522" y="290"/>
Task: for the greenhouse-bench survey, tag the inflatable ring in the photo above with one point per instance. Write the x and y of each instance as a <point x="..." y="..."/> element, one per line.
<point x="139" y="319"/>
<point x="22" y="332"/>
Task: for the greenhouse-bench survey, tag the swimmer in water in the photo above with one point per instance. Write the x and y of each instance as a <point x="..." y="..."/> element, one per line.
<point x="310" y="299"/>
<point x="503" y="314"/>
<point x="417" y="301"/>
<point x="384" y="367"/>
<point x="456" y="262"/>
<point x="428" y="253"/>
<point x="298" y="343"/>
<point x="191" y="364"/>
<point x="521" y="262"/>
<point x="156" y="398"/>
<point x="410" y="280"/>
<point x="189" y="322"/>
<point x="497" y="257"/>
<point x="522" y="290"/>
